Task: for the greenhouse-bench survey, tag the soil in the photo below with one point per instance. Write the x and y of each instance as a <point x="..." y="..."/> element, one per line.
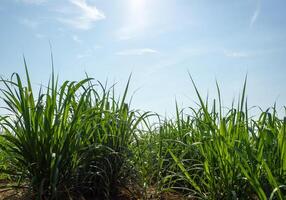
<point x="151" y="195"/>
<point x="22" y="194"/>
<point x="12" y="193"/>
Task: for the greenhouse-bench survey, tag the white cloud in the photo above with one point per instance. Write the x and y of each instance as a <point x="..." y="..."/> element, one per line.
<point x="76" y="39"/>
<point x="255" y="14"/>
<point x="81" y="15"/>
<point x="40" y="36"/>
<point x="136" y="52"/>
<point x="87" y="53"/>
<point x="29" y="23"/>
<point x="97" y="46"/>
<point x="122" y="36"/>
<point x="38" y="2"/>
<point x="130" y="32"/>
<point x="81" y="56"/>
<point x="234" y="54"/>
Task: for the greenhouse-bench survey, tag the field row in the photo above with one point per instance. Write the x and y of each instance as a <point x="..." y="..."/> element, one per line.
<point x="78" y="140"/>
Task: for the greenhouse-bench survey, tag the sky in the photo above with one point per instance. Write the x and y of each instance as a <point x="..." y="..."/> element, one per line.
<point x="158" y="41"/>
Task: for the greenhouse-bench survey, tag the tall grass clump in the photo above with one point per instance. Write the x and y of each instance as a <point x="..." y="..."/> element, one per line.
<point x="208" y="155"/>
<point x="67" y="141"/>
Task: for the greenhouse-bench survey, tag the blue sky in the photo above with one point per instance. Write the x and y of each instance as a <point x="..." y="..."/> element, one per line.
<point x="159" y="41"/>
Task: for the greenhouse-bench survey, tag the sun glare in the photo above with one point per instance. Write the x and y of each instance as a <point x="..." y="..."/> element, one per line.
<point x="137" y="12"/>
<point x="137" y="4"/>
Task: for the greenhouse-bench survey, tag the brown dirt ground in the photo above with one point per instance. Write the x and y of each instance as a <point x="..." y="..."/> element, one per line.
<point x="12" y="193"/>
<point x="151" y="195"/>
<point x="22" y="194"/>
